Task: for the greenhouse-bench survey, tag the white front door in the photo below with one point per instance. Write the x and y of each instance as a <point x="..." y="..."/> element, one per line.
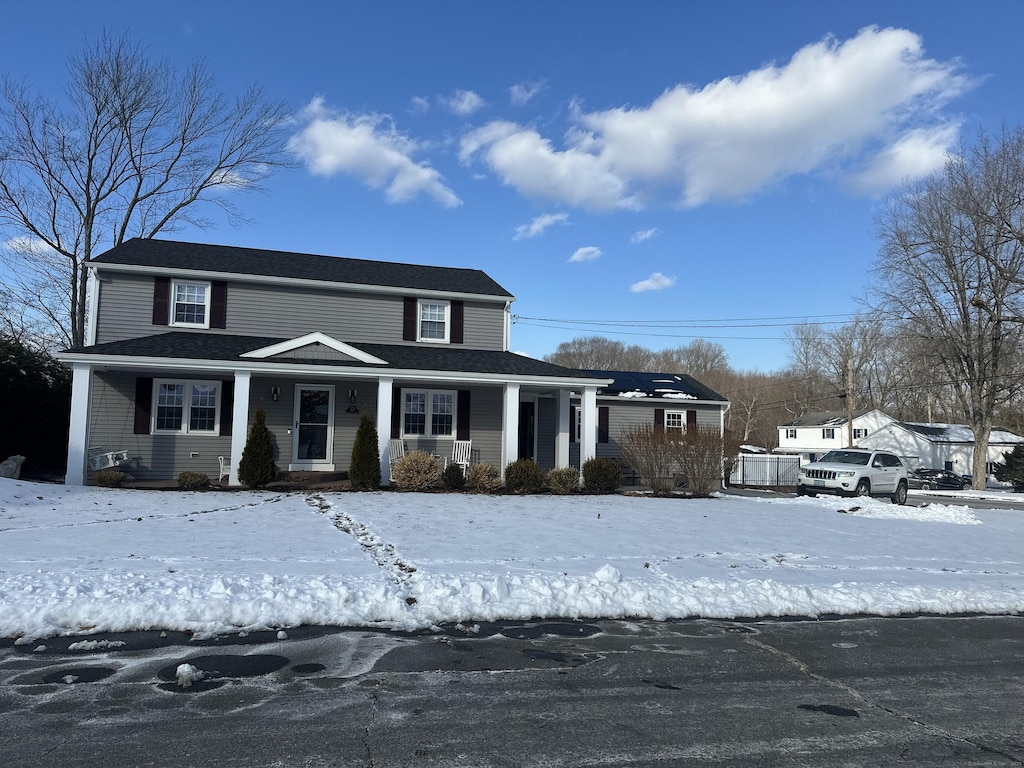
<point x="313" y="436"/>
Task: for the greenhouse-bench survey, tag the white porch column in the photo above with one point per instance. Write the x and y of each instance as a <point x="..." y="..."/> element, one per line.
<point x="588" y="425"/>
<point x="239" y="422"/>
<point x="385" y="389"/>
<point x="78" y="429"/>
<point x="562" y="433"/>
<point x="510" y="430"/>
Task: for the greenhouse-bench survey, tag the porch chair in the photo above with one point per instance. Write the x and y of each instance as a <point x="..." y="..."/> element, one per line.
<point x="225" y="467"/>
<point x="101" y="458"/>
<point x="461" y="450"/>
<point x="397" y="452"/>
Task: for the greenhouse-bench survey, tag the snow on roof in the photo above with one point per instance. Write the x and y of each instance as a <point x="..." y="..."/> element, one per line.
<point x="959" y="433"/>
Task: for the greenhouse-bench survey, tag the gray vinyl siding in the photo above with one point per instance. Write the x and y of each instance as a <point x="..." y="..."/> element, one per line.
<point x="164" y="456"/>
<point x="485" y="420"/>
<point x="156" y="457"/>
<point x="280" y="311"/>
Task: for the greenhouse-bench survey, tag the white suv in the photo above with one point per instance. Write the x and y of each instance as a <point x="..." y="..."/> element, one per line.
<point x="855" y="472"/>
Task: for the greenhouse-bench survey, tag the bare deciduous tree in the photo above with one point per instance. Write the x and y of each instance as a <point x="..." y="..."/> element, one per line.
<point x="949" y="275"/>
<point x="132" y="151"/>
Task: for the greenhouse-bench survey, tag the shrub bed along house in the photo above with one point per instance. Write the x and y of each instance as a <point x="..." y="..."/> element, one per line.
<point x="524" y="476"/>
<point x="193" y="481"/>
<point x="601" y="475"/>
<point x="416" y="471"/>
<point x="564" y="480"/>
<point x="483" y="478"/>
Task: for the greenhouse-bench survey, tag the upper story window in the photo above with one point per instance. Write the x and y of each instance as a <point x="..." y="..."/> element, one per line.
<point x="428" y="413"/>
<point x="190" y="304"/>
<point x="433" y="321"/>
<point x="828" y="433"/>
<point x="186" y="406"/>
<point x="675" y="421"/>
<point x="791" y="434"/>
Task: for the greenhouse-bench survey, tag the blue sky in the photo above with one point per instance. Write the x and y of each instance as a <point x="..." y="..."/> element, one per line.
<point x="714" y="166"/>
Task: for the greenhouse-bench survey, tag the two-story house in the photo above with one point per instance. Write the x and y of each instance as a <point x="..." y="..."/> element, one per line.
<point x="186" y="341"/>
<point x="815" y="434"/>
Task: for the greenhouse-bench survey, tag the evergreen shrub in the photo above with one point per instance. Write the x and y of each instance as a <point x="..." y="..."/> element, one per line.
<point x="364" y="471"/>
<point x="257" y="467"/>
<point x="453" y="478"/>
<point x="564" y="480"/>
<point x="193" y="481"/>
<point x="109" y="478"/>
<point x="601" y="475"/>
<point x="524" y="476"/>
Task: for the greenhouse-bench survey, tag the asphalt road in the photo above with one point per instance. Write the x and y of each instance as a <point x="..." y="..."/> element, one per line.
<point x="857" y="692"/>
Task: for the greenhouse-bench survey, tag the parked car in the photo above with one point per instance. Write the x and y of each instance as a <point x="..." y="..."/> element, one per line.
<point x="855" y="472"/>
<point x="939" y="479"/>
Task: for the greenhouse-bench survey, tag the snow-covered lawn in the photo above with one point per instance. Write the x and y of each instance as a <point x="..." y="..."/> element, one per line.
<point x="91" y="560"/>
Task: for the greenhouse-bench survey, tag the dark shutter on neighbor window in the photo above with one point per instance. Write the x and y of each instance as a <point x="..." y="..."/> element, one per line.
<point x="161" y="300"/>
<point x="691" y="420"/>
<point x="659" y="420"/>
<point x="572" y="423"/>
<point x="462" y="409"/>
<point x="396" y="414"/>
<point x="409" y="320"/>
<point x="602" y="424"/>
<point x="143" y="404"/>
<point x="458" y="321"/>
<point x="218" y="304"/>
<point x="227" y="406"/>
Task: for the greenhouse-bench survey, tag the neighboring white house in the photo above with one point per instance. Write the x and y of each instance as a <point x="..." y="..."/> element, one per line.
<point x="940" y="446"/>
<point x="814" y="434"/>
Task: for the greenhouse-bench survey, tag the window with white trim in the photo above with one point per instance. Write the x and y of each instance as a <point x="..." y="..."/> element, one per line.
<point x="675" y="421"/>
<point x="428" y="412"/>
<point x="190" y="304"/>
<point x="186" y="407"/>
<point x="859" y="433"/>
<point x="791" y="434"/>
<point x="828" y="433"/>
<point x="433" y="323"/>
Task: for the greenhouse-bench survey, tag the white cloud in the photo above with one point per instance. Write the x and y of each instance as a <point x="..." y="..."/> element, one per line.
<point x="643" y="235"/>
<point x="539" y="224"/>
<point x="835" y="107"/>
<point x="521" y="93"/>
<point x="656" y="282"/>
<point x="370" y="148"/>
<point x="917" y="153"/>
<point x="588" y="253"/>
<point x="420" y="105"/>
<point x="465" y="103"/>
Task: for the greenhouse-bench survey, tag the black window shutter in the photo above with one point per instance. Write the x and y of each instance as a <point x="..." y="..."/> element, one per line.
<point x="602" y="424"/>
<point x="572" y="423"/>
<point x="227" y="406"/>
<point x="659" y="420"/>
<point x="143" y="404"/>
<point x="218" y="304"/>
<point x="396" y="414"/>
<point x="409" y="320"/>
<point x="456" y="335"/>
<point x="161" y="300"/>
<point x="462" y="409"/>
<point x="691" y="420"/>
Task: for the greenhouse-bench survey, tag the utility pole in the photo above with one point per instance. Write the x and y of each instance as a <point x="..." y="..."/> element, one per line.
<point x="849" y="404"/>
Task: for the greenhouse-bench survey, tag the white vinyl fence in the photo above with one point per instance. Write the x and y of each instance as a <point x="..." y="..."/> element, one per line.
<point x="764" y="469"/>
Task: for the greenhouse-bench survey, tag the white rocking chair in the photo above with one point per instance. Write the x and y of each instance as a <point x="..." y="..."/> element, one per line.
<point x="225" y="467"/>
<point x="461" y="450"/>
<point x="397" y="453"/>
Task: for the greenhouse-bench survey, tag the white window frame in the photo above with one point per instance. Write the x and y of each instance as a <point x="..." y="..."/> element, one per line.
<point x="828" y="433"/>
<point x="859" y="433"/>
<point x="172" y="309"/>
<point x="679" y="416"/>
<point x="791" y="434"/>
<point x="186" y="407"/>
<point x="446" y="307"/>
<point x="428" y="420"/>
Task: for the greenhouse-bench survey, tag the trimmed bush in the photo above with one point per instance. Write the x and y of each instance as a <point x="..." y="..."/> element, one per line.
<point x="364" y="471"/>
<point x="701" y="458"/>
<point x="564" y="480"/>
<point x="109" y="478"/>
<point x="483" y="478"/>
<point x="453" y="478"/>
<point x="416" y="471"/>
<point x="524" y="476"/>
<point x="193" y="481"/>
<point x="257" y="467"/>
<point x="601" y="475"/>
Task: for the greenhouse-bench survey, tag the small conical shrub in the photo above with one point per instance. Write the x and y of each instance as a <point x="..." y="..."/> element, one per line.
<point x="364" y="471"/>
<point x="257" y="467"/>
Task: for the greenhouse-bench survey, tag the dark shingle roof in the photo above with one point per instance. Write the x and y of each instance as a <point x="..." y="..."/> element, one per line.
<point x="664" y="385"/>
<point x="179" y="345"/>
<point x="169" y="254"/>
<point x="823" y="418"/>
